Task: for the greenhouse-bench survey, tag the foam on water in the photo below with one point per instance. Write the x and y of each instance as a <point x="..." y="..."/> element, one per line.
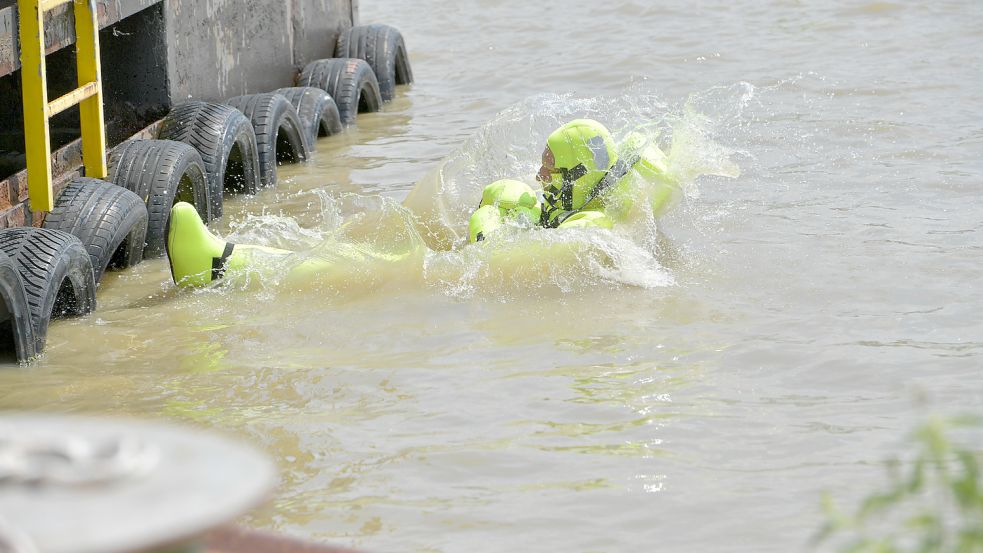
<point x="511" y="144"/>
<point x="519" y="261"/>
<point x="352" y="244"/>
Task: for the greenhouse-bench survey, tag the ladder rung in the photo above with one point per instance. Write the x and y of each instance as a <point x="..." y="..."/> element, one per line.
<point x="74" y="97"/>
<point x="47" y="5"/>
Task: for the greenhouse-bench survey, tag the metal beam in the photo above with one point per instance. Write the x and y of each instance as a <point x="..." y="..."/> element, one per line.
<point x="60" y="30"/>
<point x="74" y="97"/>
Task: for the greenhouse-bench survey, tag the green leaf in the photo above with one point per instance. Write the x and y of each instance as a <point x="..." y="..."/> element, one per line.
<point x="942" y="485"/>
<point x="917" y="478"/>
<point x="875" y="504"/>
<point x="921" y="521"/>
<point x="932" y="437"/>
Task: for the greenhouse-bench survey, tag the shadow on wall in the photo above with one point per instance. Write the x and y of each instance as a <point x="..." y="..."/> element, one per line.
<point x="134" y="70"/>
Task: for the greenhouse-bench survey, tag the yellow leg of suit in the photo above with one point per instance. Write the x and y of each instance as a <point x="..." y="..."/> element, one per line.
<point x="199" y="258"/>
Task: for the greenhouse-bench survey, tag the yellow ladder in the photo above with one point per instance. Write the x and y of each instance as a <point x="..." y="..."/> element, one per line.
<point x="37" y="109"/>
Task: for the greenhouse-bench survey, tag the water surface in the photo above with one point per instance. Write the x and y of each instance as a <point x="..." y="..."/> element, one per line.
<point x="798" y="321"/>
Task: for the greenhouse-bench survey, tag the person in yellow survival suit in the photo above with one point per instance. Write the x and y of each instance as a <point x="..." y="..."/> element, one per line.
<point x="588" y="181"/>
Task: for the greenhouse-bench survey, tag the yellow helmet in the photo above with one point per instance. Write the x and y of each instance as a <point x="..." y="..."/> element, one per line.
<point x="583" y="151"/>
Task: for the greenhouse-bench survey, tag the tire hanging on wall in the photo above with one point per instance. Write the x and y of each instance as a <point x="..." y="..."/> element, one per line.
<point x="57" y="275"/>
<point x="316" y="110"/>
<point x="15" y="313"/>
<point x="225" y="140"/>
<point x="161" y="172"/>
<point x="109" y="220"/>
<point x="383" y="48"/>
<point x="279" y="135"/>
<point x="349" y="81"/>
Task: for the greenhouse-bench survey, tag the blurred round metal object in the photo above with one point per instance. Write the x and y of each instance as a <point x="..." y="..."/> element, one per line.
<point x="73" y="484"/>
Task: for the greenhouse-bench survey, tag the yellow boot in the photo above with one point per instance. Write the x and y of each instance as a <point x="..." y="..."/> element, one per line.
<point x="199" y="258"/>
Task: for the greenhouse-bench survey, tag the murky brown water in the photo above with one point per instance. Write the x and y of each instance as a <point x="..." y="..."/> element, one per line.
<point x="800" y="320"/>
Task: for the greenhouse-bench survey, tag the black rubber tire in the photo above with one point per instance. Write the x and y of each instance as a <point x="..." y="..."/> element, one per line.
<point x="57" y="275"/>
<point x="383" y="48"/>
<point x="225" y="140"/>
<point x="280" y="137"/>
<point x="110" y="220"/>
<point x="349" y="81"/>
<point x="15" y="313"/>
<point x="316" y="110"/>
<point x="161" y="172"/>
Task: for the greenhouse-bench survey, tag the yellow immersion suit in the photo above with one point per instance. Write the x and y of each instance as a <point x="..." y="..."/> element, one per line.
<point x="594" y="184"/>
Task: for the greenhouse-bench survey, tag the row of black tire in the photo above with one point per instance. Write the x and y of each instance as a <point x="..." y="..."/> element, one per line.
<point x="202" y="151"/>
